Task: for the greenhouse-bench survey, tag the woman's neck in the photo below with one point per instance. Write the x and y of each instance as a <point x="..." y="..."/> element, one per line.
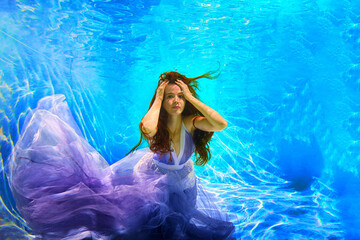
<point x="174" y="123"/>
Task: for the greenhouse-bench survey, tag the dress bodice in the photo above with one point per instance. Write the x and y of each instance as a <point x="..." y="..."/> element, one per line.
<point x="187" y="148"/>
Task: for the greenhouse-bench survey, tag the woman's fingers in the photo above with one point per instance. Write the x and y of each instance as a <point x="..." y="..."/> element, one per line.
<point x="181" y="84"/>
<point x="161" y="89"/>
<point x="164" y="83"/>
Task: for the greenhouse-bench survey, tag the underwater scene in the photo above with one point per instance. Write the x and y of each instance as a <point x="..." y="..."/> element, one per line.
<point x="286" y="167"/>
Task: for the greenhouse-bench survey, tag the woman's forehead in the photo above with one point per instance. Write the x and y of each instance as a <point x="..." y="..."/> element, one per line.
<point x="172" y="88"/>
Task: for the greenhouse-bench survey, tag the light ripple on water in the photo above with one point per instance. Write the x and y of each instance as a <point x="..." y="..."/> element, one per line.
<point x="267" y="208"/>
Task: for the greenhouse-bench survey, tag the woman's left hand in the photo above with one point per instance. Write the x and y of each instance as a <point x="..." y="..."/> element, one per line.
<point x="184" y="88"/>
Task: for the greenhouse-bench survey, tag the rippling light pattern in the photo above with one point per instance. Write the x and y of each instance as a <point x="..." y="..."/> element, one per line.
<point x="286" y="167"/>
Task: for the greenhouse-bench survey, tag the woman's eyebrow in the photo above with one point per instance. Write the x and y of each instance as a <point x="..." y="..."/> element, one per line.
<point x="177" y="93"/>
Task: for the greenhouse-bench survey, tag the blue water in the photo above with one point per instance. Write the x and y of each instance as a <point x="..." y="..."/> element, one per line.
<point x="286" y="167"/>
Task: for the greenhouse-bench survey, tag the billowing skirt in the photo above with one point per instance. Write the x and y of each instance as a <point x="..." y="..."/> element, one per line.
<point x="65" y="189"/>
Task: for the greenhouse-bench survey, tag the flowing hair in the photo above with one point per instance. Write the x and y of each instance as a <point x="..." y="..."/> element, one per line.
<point x="160" y="142"/>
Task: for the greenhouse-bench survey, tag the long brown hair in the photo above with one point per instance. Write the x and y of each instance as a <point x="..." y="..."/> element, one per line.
<point x="160" y="142"/>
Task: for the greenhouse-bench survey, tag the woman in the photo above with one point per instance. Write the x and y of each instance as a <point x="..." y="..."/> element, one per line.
<point x="176" y="125"/>
<point x="175" y="102"/>
<point x="65" y="189"/>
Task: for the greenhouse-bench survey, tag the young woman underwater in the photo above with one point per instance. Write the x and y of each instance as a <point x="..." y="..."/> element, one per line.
<point x="65" y="189"/>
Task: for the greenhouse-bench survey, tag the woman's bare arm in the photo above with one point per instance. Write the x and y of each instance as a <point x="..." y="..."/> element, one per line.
<point x="150" y="121"/>
<point x="212" y="120"/>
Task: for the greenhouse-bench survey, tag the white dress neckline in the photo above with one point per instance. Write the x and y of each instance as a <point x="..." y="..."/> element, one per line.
<point x="175" y="158"/>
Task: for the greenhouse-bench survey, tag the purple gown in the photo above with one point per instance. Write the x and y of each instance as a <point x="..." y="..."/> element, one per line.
<point x="65" y="189"/>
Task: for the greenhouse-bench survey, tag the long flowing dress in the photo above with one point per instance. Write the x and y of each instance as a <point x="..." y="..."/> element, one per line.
<point x="65" y="189"/>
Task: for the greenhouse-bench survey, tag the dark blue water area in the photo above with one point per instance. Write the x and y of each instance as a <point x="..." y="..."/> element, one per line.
<point x="287" y="165"/>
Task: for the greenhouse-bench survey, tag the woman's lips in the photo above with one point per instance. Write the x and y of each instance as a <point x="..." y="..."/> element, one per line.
<point x="176" y="107"/>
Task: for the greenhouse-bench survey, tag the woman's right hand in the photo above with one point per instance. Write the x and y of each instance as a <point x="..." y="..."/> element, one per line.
<point x="161" y="89"/>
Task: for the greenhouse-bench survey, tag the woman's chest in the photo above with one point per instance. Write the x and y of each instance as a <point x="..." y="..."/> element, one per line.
<point x="176" y="144"/>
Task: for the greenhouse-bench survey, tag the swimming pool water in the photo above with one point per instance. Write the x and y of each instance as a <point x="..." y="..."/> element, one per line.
<point x="286" y="167"/>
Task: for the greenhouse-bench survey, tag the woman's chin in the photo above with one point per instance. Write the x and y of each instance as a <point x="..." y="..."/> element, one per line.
<point x="175" y="113"/>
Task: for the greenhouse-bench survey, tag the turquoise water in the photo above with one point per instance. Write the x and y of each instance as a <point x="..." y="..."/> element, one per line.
<point x="287" y="166"/>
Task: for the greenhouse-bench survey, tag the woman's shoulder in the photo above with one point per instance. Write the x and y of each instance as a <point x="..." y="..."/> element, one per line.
<point x="188" y="122"/>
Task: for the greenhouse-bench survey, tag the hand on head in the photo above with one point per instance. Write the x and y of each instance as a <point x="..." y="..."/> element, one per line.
<point x="184" y="87"/>
<point x="161" y="88"/>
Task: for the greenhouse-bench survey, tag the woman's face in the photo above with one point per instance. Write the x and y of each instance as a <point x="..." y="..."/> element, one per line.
<point x="174" y="101"/>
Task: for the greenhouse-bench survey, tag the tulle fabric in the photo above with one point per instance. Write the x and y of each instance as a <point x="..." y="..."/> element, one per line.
<point x="66" y="190"/>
